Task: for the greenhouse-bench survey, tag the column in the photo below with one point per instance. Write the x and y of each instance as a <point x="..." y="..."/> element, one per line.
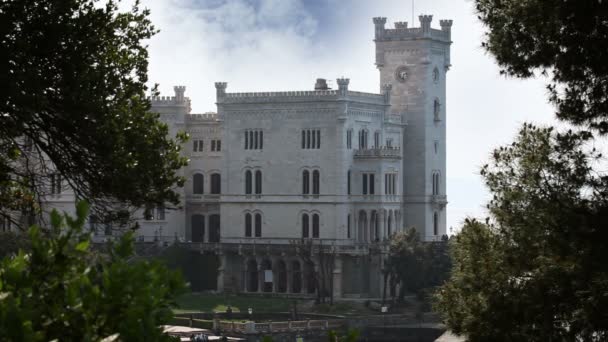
<point x="260" y="277"/>
<point x="382" y="228"/>
<point x="220" y="272"/>
<point x="337" y="274"/>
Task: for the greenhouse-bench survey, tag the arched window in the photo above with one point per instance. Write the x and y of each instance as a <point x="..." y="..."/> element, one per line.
<point x="348" y="233"/>
<point x="305" y="226"/>
<point x="197" y="228"/>
<point x="216" y="183"/>
<point x="258" y="225"/>
<point x="437" y="109"/>
<point x="315" y="182"/>
<point x="248" y="187"/>
<point x="248" y="225"/>
<point x="305" y="182"/>
<point x="258" y="182"/>
<point x="252" y="273"/>
<point x="214" y="228"/>
<point x="389" y="224"/>
<point x="315" y="226"/>
<point x="435" y="183"/>
<point x="296" y="280"/>
<point x="435" y="224"/>
<point x="348" y="182"/>
<point x="198" y="184"/>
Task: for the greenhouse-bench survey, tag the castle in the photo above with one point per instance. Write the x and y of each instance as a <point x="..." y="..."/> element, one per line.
<point x="279" y="180"/>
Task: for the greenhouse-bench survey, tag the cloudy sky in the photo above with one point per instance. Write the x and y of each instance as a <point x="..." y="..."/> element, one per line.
<point x="268" y="45"/>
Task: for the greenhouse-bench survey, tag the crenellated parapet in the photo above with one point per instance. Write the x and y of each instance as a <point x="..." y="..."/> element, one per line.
<point x="209" y="117"/>
<point x="178" y="102"/>
<point x="402" y="32"/>
<point x="302" y="96"/>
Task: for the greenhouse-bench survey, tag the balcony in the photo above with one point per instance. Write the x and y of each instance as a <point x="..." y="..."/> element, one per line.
<point x="379" y="153"/>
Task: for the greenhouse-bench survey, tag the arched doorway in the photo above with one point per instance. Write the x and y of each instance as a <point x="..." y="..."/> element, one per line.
<point x="267" y="275"/>
<point x="197" y="231"/>
<point x="252" y="276"/>
<point x="282" y="277"/>
<point x="214" y="228"/>
<point x="296" y="277"/>
<point x="310" y="276"/>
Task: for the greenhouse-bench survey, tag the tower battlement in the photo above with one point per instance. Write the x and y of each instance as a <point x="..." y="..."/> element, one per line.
<point x="179" y="100"/>
<point x="402" y="32"/>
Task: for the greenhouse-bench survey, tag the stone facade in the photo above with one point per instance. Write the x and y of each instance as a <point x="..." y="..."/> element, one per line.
<point x="338" y="168"/>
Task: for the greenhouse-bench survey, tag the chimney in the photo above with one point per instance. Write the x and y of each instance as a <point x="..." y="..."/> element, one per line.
<point x="321" y="84"/>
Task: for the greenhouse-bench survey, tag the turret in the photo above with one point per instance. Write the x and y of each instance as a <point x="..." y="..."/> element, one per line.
<point x="179" y="93"/>
<point x="220" y="90"/>
<point x="343" y="85"/>
<point x="446" y="26"/>
<point x="425" y="23"/>
<point x="379" y="23"/>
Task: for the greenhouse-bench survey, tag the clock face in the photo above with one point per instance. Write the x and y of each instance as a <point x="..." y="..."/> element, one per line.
<point x="401" y="74"/>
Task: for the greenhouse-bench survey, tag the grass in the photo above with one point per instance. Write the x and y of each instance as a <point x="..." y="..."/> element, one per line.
<point x="197" y="302"/>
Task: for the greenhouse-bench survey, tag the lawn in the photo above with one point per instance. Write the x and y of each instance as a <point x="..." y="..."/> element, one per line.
<point x="197" y="302"/>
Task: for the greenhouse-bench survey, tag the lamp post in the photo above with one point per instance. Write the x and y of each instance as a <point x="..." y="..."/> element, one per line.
<point x="384" y="310"/>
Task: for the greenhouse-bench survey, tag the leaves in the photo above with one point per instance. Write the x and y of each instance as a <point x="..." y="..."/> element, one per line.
<point x="63" y="290"/>
<point x="533" y="271"/>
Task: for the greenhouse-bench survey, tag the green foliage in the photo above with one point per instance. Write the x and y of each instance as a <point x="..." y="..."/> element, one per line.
<point x="351" y="336"/>
<point x="417" y="265"/>
<point x="199" y="270"/>
<point x="537" y="270"/>
<point x="74" y="77"/>
<point x="565" y="40"/>
<point x="62" y="290"/>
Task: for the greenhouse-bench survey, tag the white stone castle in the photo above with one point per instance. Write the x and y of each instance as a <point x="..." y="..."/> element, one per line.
<point x="341" y="168"/>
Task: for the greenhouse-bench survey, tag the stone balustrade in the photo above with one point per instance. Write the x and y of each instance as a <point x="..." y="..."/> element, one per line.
<point x="381" y="152"/>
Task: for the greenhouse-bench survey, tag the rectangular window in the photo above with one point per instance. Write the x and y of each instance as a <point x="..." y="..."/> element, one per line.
<point x="389" y="143"/>
<point x="348" y="182"/>
<point x="311" y="139"/>
<point x="349" y="139"/>
<point x="364" y="190"/>
<point x="216" y="145"/>
<point x="160" y="212"/>
<point x="254" y="140"/>
<point x="348" y="226"/>
<point x="371" y="184"/>
<point x="197" y="145"/>
<point x="390" y="183"/>
<point x="149" y="213"/>
<point x="377" y="139"/>
<point x="56" y="185"/>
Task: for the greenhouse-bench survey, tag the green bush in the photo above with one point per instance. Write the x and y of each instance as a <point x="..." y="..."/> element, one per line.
<point x="62" y="290"/>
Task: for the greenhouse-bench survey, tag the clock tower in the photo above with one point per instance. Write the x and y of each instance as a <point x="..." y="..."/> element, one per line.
<point x="415" y="61"/>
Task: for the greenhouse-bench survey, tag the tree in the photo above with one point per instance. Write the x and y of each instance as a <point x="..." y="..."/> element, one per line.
<point x="565" y="40"/>
<point x="74" y="103"/>
<point x="322" y="266"/>
<point x="415" y="265"/>
<point x="61" y="290"/>
<point x="536" y="271"/>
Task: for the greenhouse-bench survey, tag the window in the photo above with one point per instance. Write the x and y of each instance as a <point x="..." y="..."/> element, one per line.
<point x="349" y="139"/>
<point x="197" y="228"/>
<point x="315" y="182"/>
<point x="216" y="145"/>
<point x="248" y="225"/>
<point x="377" y="139"/>
<point x="149" y="213"/>
<point x="5" y="224"/>
<point x="305" y="227"/>
<point x="160" y="213"/>
<point x="362" y="139"/>
<point x="315" y="226"/>
<point x="435" y="224"/>
<point x="55" y="184"/>
<point x="368" y="184"/>
<point x="348" y="182"/>
<point x="437" y="110"/>
<point x="258" y="225"/>
<point x="258" y="182"/>
<point x="348" y="234"/>
<point x="435" y="75"/>
<point x="311" y="139"/>
<point x="305" y="182"/>
<point x="216" y="184"/>
<point x="197" y="145"/>
<point x="436" y="146"/>
<point x="248" y="181"/>
<point x="198" y="184"/>
<point x="93" y="222"/>
<point x="214" y="228"/>
<point x="436" y="183"/>
<point x="390" y="181"/>
<point x="389" y="143"/>
<point x="254" y="140"/>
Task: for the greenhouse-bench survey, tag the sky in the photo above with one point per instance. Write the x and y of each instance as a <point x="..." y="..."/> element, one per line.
<point x="280" y="45"/>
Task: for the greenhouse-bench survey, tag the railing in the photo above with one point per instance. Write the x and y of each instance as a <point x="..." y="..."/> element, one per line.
<point x="278" y="327"/>
<point x="381" y="152"/>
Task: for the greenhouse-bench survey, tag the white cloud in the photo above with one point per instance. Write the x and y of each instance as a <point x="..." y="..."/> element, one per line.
<point x="265" y="45"/>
